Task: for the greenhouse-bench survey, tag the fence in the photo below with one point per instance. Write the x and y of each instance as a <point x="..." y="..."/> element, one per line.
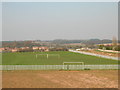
<point x="56" y="67"/>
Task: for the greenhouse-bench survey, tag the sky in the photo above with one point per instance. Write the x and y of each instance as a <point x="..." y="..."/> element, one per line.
<point x="59" y="20"/>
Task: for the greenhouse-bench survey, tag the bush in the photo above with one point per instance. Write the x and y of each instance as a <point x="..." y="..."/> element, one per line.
<point x="26" y="50"/>
<point x="117" y="48"/>
<point x="109" y="47"/>
<point x="58" y="49"/>
<point x="86" y="68"/>
<point x="101" y="46"/>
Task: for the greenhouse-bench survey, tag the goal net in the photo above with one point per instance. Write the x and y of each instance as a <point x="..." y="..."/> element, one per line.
<point x="41" y="55"/>
<point x="73" y="65"/>
<point x="53" y="55"/>
<point x="47" y="55"/>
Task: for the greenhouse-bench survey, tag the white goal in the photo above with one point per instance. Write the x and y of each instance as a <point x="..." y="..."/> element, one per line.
<point x="73" y="65"/>
<point x="55" y="55"/>
<point x="40" y="55"/>
<point x="48" y="55"/>
<point x="82" y="63"/>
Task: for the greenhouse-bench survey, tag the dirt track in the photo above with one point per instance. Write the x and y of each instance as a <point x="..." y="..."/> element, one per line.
<point x="60" y="79"/>
<point x="104" y="53"/>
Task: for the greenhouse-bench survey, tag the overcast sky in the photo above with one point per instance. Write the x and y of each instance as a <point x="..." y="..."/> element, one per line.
<point x="60" y="20"/>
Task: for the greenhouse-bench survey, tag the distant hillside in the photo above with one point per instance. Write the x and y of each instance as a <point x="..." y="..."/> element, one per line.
<point x="62" y="41"/>
<point x="97" y="41"/>
<point x="90" y="41"/>
<point x="31" y="43"/>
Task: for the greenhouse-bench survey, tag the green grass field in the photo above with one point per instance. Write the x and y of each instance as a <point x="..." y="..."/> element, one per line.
<point x="29" y="58"/>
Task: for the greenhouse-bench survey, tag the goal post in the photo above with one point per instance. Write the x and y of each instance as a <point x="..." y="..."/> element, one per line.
<point x="48" y="55"/>
<point x="40" y="55"/>
<point x="58" y="55"/>
<point x="72" y="65"/>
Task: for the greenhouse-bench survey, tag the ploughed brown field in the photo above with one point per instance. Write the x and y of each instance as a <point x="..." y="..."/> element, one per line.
<point x="60" y="79"/>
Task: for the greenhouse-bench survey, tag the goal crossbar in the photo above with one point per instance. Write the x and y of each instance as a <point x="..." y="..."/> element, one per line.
<point x="47" y="55"/>
<point x="73" y="62"/>
<point x="40" y="54"/>
<point x="53" y="54"/>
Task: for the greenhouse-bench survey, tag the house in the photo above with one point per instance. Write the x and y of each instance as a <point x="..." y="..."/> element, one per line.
<point x="78" y="49"/>
<point x="14" y="50"/>
<point x="35" y="48"/>
<point x="108" y="44"/>
<point x="43" y="48"/>
<point x="24" y="48"/>
<point x="83" y="49"/>
<point x="6" y="48"/>
<point x="2" y="49"/>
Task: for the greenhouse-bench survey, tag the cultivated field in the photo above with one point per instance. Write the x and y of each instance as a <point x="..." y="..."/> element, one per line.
<point x="54" y="58"/>
<point x="60" y="79"/>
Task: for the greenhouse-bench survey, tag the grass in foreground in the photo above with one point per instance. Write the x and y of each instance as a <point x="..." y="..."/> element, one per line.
<point x="29" y="58"/>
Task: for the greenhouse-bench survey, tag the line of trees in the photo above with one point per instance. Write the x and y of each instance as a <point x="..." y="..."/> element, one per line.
<point x="110" y="47"/>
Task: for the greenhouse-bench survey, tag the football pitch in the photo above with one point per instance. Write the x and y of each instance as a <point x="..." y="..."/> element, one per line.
<point x="52" y="58"/>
